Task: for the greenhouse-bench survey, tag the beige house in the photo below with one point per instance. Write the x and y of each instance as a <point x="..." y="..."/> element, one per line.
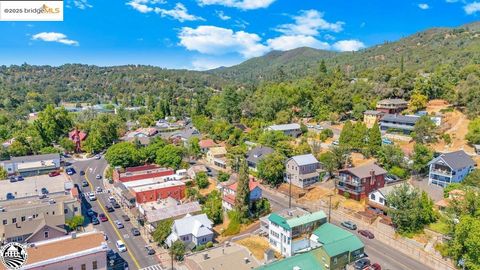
<point x="217" y="156"/>
<point x="370" y="117"/>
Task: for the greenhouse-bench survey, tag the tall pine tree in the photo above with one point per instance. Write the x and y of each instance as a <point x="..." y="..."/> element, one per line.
<point x="374" y="139"/>
<point x="242" y="198"/>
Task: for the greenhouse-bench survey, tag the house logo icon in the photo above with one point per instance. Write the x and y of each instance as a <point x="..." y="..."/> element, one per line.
<point x="13" y="255"/>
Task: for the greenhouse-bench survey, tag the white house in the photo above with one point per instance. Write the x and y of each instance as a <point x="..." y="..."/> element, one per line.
<point x="377" y="199"/>
<point x="192" y="230"/>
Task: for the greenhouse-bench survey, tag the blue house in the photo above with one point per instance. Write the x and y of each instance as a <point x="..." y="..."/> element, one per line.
<point x="449" y="168"/>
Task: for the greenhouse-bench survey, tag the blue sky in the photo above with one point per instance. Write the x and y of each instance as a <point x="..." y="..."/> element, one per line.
<point x="203" y="34"/>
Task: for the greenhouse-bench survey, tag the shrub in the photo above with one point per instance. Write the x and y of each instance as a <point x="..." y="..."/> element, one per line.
<point x="209" y="244"/>
<point x="400" y="172"/>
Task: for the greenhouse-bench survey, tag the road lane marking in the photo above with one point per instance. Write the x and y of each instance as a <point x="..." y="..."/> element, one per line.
<point x="114" y="226"/>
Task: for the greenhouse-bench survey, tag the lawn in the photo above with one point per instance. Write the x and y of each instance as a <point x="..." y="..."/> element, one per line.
<point x="440" y="226"/>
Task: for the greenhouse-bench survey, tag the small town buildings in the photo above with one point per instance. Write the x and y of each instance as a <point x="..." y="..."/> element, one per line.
<point x="371" y="117"/>
<point x="360" y="181"/>
<point x="377" y="199"/>
<point x="217" y="156"/>
<point x="150" y="193"/>
<point x="230" y="192"/>
<point x="289" y="230"/>
<point x="255" y="155"/>
<point x="76" y="251"/>
<point x="398" y="123"/>
<point x="392" y="106"/>
<point x="25" y="215"/>
<point x="449" y="168"/>
<point x="292" y="130"/>
<point x="140" y="172"/>
<point x="142" y="132"/>
<point x="32" y="165"/>
<point x="77" y="137"/>
<point x="302" y="171"/>
<point x="337" y="247"/>
<point x="192" y="230"/>
<point x="206" y="144"/>
<point x="196" y="169"/>
<point x="155" y="213"/>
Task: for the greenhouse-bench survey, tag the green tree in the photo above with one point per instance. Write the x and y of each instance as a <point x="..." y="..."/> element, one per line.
<point x="424" y="130"/>
<point x="177" y="250"/>
<point x="422" y="155"/>
<point x="390" y="156"/>
<point x="213" y="207"/>
<point x="473" y="135"/>
<point x="17" y="148"/>
<point x="67" y="144"/>
<point x="466" y="242"/>
<point x="170" y="156"/>
<point x="472" y="179"/>
<point x="123" y="154"/>
<point x="242" y="198"/>
<point x="417" y="102"/>
<point x="75" y="222"/>
<point x="270" y="169"/>
<point x="194" y="147"/>
<point x="202" y="180"/>
<point x="102" y="131"/>
<point x="163" y="230"/>
<point x="3" y="174"/>
<point x="346" y="134"/>
<point x="374" y="139"/>
<point x="53" y="123"/>
<point x="223" y="176"/>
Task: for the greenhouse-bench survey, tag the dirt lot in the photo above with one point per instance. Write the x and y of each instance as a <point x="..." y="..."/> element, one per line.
<point x="358" y="159"/>
<point x="296" y="191"/>
<point x="257" y="246"/>
<point x="212" y="186"/>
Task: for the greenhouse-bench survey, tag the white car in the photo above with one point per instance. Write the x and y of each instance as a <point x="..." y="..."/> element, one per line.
<point x="98" y="176"/>
<point x="121" y="246"/>
<point x="92" y="197"/>
<point x="99" y="189"/>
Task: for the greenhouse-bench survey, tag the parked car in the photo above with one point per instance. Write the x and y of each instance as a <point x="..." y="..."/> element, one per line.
<point x="44" y="191"/>
<point x="116" y="205"/>
<point x="362" y="264"/>
<point x="387" y="141"/>
<point x="10" y="196"/>
<point x="98" y="156"/>
<point x="119" y="224"/>
<point x="135" y="232"/>
<point x="54" y="173"/>
<point x="95" y="221"/>
<point x="84" y="183"/>
<point x="121" y="246"/>
<point x="349" y="225"/>
<point x="98" y="176"/>
<point x="126" y="218"/>
<point x="92" y="197"/>
<point x="109" y="208"/>
<point x="90" y="212"/>
<point x="366" y="233"/>
<point x="375" y="266"/>
<point x="98" y="189"/>
<point x="70" y="171"/>
<point x="102" y="217"/>
<point x="20" y="178"/>
<point x="150" y="250"/>
<point x="82" y="172"/>
<point x="12" y="179"/>
<point x="336" y="142"/>
<point x="391" y="178"/>
<point x="111" y="199"/>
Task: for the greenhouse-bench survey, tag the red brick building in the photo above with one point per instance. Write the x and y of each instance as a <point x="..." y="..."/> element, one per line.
<point x="141" y="172"/>
<point x="155" y="192"/>
<point x="359" y="181"/>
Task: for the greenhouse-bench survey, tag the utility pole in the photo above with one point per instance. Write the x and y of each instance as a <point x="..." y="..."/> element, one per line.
<point x="329" y="207"/>
<point x="171" y="252"/>
<point x="289" y="191"/>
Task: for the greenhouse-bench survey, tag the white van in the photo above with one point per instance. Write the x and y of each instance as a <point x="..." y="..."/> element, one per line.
<point x="121" y="246"/>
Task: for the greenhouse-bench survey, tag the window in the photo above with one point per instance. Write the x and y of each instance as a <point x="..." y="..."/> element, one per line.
<point x="70" y="268"/>
<point x="372" y="196"/>
<point x="94" y="265"/>
<point x="4" y="222"/>
<point x="45" y="234"/>
<point x="84" y="267"/>
<point x="65" y="211"/>
<point x="75" y="209"/>
<point x="335" y="260"/>
<point x="53" y="213"/>
<point x="23" y="218"/>
<point x="14" y="220"/>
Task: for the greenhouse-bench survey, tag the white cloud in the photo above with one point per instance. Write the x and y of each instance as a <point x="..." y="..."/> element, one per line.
<point x="241" y="4"/>
<point x="54" y="37"/>
<point x="423" y="6"/>
<point x="451" y="1"/>
<point x="82" y="4"/>
<point x="140" y="5"/>
<point x="222" y="15"/>
<point x="284" y="43"/>
<point x="216" y="40"/>
<point x="348" y="45"/>
<point x="472" y="8"/>
<point x="179" y="12"/>
<point x="309" y="22"/>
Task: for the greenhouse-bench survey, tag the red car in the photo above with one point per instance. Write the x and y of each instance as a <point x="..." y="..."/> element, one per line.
<point x="54" y="173"/>
<point x="366" y="233"/>
<point x="102" y="217"/>
<point x="375" y="266"/>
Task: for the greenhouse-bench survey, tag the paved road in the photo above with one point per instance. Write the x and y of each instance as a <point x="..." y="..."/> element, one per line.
<point x="388" y="257"/>
<point x="136" y="256"/>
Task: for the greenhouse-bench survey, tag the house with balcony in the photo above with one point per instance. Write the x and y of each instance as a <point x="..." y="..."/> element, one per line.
<point x="302" y="171"/>
<point x="360" y="181"/>
<point x="398" y="123"/>
<point x="450" y="168"/>
<point x="392" y="105"/>
<point x="289" y="230"/>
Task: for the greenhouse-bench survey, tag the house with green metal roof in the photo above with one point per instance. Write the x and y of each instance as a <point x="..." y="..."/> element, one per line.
<point x="289" y="230"/>
<point x="311" y="260"/>
<point x="338" y="247"/>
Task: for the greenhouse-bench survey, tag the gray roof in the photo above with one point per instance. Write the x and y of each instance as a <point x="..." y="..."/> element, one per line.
<point x="398" y="118"/>
<point x="34" y="158"/>
<point x="372" y="112"/>
<point x="388" y="189"/>
<point x="172" y="211"/>
<point x="397" y="101"/>
<point x="258" y="153"/>
<point x="364" y="171"/>
<point x="285" y="127"/>
<point x="456" y="160"/>
<point x="305" y="159"/>
<point x="30" y="227"/>
<point x="197" y="225"/>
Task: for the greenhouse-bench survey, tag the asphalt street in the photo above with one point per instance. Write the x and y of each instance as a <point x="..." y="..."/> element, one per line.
<point x="378" y="252"/>
<point x="136" y="255"/>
